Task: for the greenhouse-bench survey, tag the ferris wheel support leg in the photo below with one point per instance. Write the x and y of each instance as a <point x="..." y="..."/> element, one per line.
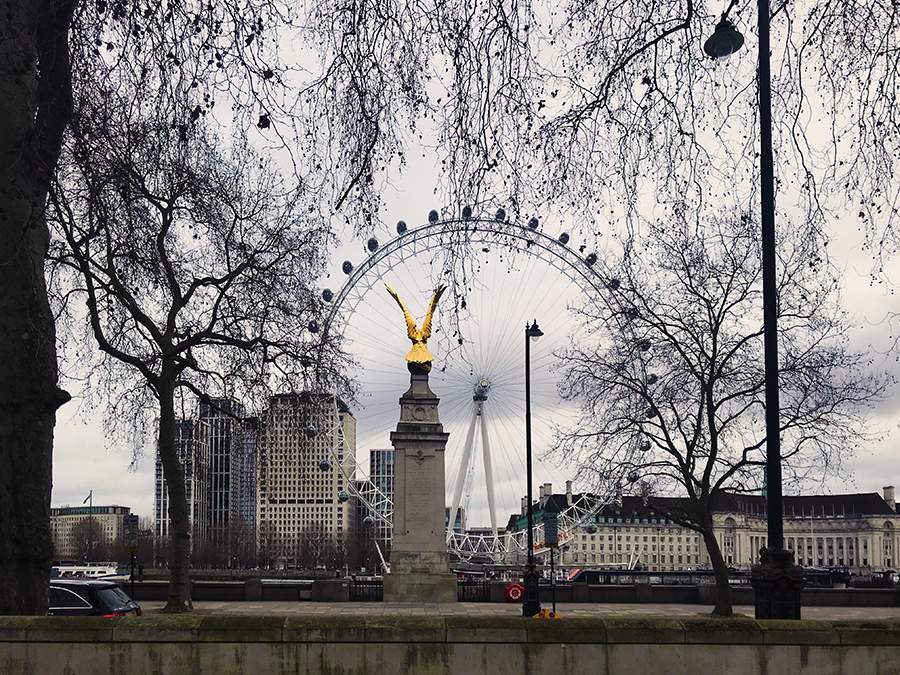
<point x="489" y="476"/>
<point x="463" y="468"/>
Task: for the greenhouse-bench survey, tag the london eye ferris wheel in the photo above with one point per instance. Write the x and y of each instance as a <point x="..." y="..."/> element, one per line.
<point x="501" y="275"/>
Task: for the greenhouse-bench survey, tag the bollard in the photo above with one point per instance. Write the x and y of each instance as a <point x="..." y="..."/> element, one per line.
<point x="778" y="583"/>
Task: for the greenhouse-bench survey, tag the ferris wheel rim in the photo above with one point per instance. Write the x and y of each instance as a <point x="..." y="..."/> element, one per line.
<point x="559" y="251"/>
<point x="476" y="230"/>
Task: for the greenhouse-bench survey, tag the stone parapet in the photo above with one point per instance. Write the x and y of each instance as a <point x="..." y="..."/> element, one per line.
<point x="235" y="645"/>
<point x="331" y="590"/>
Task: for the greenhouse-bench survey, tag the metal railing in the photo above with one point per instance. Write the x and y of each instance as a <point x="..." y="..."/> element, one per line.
<point x="473" y="590"/>
<point x="366" y="590"/>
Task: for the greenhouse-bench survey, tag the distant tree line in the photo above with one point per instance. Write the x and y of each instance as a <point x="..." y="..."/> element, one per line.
<point x="309" y="548"/>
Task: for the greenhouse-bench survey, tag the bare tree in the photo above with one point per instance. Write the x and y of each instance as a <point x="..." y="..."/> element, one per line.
<point x="340" y="550"/>
<point x="590" y="107"/>
<point x="241" y="544"/>
<point x="363" y="548"/>
<point x="636" y="113"/>
<point x="268" y="546"/>
<point x="146" y="540"/>
<point x="114" y="551"/>
<point x="403" y="79"/>
<point x="597" y="107"/>
<point x="672" y="382"/>
<point x="315" y="544"/>
<point x="43" y="40"/>
<point x="88" y="541"/>
<point x="196" y="263"/>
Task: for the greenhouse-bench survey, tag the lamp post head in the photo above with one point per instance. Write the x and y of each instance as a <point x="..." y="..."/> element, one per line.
<point x="533" y="331"/>
<point x="725" y="41"/>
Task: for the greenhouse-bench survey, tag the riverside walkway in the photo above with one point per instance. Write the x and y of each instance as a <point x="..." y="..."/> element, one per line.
<point x="491" y="609"/>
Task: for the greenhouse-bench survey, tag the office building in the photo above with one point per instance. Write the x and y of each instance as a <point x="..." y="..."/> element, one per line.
<point x="226" y="435"/>
<point x="306" y="461"/>
<point x="66" y="521"/>
<point x="217" y="451"/>
<point x="191" y="444"/>
<point x="381" y="495"/>
<point x="853" y="531"/>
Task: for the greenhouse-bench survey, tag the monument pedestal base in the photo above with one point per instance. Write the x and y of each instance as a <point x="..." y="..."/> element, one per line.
<point x="419" y="569"/>
<point x="418" y="587"/>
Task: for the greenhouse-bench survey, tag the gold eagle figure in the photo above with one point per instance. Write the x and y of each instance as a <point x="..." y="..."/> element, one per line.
<point x="419" y="353"/>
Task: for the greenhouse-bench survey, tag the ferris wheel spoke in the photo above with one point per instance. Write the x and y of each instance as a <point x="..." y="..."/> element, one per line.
<point x="512" y="276"/>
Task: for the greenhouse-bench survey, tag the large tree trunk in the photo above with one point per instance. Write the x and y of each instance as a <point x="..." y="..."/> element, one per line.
<point x="33" y="114"/>
<point x="179" y="521"/>
<point x="720" y="572"/>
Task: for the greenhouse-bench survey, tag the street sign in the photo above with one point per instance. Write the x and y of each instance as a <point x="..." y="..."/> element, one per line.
<point x="130" y="536"/>
<point x="551" y="530"/>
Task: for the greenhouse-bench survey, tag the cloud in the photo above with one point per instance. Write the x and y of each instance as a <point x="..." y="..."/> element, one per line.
<point x="82" y="462"/>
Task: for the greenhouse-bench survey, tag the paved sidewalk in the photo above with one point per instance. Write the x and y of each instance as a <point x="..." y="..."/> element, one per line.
<point x="307" y="608"/>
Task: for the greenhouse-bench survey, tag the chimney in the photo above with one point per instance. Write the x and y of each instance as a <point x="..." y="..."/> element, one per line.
<point x="546" y="490"/>
<point x="525" y="506"/>
<point x="569" y="493"/>
<point x="889" y="497"/>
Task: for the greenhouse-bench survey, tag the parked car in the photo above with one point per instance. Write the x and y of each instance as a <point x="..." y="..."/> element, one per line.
<point x="89" y="597"/>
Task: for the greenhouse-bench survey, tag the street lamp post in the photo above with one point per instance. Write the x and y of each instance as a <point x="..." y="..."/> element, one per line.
<point x="776" y="579"/>
<point x="90" y="524"/>
<point x="530" y="604"/>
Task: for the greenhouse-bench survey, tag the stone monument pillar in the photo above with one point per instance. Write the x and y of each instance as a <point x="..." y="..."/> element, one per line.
<point x="419" y="566"/>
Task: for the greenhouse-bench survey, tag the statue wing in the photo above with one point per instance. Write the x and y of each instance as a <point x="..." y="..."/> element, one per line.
<point x="426" y="325"/>
<point x="410" y="322"/>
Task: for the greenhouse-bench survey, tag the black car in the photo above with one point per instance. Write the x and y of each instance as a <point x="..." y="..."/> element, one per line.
<point x="89" y="597"/>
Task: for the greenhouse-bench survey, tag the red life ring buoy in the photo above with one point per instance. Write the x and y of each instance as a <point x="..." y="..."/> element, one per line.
<point x="514" y="592"/>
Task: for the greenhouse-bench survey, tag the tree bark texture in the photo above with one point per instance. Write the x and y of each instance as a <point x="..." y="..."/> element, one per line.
<point x="179" y="599"/>
<point x="35" y="102"/>
<point x="720" y="572"/>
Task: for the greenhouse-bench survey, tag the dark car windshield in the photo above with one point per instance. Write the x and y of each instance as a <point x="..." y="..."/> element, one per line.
<point x="113" y="597"/>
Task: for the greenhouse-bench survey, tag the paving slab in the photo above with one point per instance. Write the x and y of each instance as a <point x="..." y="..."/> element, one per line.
<point x="487" y="609"/>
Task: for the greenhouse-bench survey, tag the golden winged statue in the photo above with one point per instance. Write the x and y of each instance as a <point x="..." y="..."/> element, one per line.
<point x="419" y="353"/>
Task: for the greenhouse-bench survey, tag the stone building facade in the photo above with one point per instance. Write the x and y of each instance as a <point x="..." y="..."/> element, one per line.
<point x="64" y="520"/>
<point x="306" y="454"/>
<point x="855" y="531"/>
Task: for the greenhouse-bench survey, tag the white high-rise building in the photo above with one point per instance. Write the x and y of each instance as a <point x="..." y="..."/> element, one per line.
<point x="306" y="446"/>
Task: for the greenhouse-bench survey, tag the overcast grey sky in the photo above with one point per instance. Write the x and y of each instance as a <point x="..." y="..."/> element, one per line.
<point x="511" y="295"/>
<point x="515" y="290"/>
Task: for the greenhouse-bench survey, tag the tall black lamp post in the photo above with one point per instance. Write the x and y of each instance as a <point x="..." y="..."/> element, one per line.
<point x="776" y="579"/>
<point x="530" y="604"/>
